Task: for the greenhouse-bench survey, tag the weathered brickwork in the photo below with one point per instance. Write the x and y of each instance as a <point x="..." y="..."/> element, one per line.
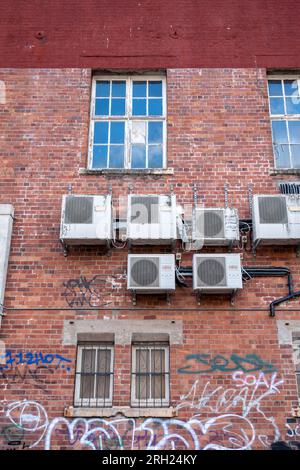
<point x="218" y="133"/>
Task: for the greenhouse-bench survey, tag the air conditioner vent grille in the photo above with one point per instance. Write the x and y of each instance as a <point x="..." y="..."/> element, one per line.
<point x="144" y="272"/>
<point x="210" y="223"/>
<point x="211" y="272"/>
<point x="79" y="210"/>
<point x="144" y="210"/>
<point x="272" y="210"/>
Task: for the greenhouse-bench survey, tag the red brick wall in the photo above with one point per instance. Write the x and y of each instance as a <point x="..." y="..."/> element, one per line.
<point x="218" y="132"/>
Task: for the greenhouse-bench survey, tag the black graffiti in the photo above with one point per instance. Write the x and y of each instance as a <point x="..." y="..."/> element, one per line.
<point x="21" y="374"/>
<point x="81" y="292"/>
<point x="282" y="445"/>
<point x="247" y="363"/>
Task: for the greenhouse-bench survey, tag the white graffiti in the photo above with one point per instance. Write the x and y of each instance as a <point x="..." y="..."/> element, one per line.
<point x="222" y="419"/>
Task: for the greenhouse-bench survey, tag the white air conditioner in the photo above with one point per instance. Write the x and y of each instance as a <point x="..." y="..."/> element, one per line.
<point x="215" y="226"/>
<point x="151" y="273"/>
<point x="217" y="273"/>
<point x="151" y="219"/>
<point x="276" y="219"/>
<point x="86" y="220"/>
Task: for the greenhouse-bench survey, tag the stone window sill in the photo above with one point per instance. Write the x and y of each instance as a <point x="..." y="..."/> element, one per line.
<point x="73" y="412"/>
<point x="291" y="171"/>
<point x="127" y="171"/>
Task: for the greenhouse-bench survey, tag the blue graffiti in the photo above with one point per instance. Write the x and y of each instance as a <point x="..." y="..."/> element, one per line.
<point x="35" y="358"/>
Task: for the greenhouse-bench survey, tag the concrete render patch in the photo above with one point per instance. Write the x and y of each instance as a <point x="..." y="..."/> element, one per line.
<point x="285" y="330"/>
<point x="123" y="330"/>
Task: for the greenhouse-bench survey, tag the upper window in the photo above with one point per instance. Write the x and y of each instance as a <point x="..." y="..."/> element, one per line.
<point x="284" y="101"/>
<point x="150" y="374"/>
<point x="128" y="122"/>
<point x="94" y="375"/>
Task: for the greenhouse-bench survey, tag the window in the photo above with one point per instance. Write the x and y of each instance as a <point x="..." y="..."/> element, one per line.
<point x="284" y="101"/>
<point x="94" y="375"/>
<point x="150" y="374"/>
<point x="128" y="122"/>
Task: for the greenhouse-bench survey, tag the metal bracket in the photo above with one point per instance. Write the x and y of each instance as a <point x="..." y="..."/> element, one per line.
<point x="108" y="248"/>
<point x="198" y="296"/>
<point x="168" y="298"/>
<point x="133" y="298"/>
<point x="65" y="248"/>
<point x="254" y="247"/>
<point x="232" y="297"/>
<point x="172" y="189"/>
<point x="130" y="188"/>
<point x="110" y="189"/>
<point x="230" y="246"/>
<point x="298" y="251"/>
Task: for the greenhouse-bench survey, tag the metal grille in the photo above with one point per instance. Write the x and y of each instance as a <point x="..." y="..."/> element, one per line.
<point x="150" y="375"/>
<point x="144" y="272"/>
<point x="79" y="210"/>
<point x="144" y="209"/>
<point x="272" y="210"/>
<point x="94" y="374"/>
<point x="211" y="272"/>
<point x="289" y="188"/>
<point x="211" y="223"/>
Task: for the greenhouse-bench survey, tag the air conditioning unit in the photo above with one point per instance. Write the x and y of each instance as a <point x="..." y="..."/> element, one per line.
<point x="217" y="273"/>
<point x="276" y="220"/>
<point x="215" y="226"/>
<point x="86" y="220"/>
<point x="151" y="273"/>
<point x="151" y="219"/>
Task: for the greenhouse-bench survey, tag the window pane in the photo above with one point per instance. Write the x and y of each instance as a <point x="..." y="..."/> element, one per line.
<point x="158" y="367"/>
<point x="155" y="89"/>
<point x="101" y="133"/>
<point x="155" y="156"/>
<point x="119" y="89"/>
<point x="117" y="132"/>
<point x="138" y="156"/>
<point x="155" y="132"/>
<point x="88" y="369"/>
<point x="282" y="156"/>
<point x="139" y="89"/>
<point x="138" y="134"/>
<point x="102" y="89"/>
<point x="293" y="105"/>
<point x="295" y="151"/>
<point x="275" y="88"/>
<point x="139" y="107"/>
<point x="155" y="107"/>
<point x="279" y="132"/>
<point x="117" y="107"/>
<point x="100" y="156"/>
<point x="103" y="367"/>
<point x="276" y="105"/>
<point x="142" y="385"/>
<point x="294" y="131"/>
<point x="291" y="88"/>
<point x="102" y="107"/>
<point x="116" y="156"/>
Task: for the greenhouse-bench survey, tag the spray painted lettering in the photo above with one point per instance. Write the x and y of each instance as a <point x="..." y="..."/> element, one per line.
<point x="204" y="364"/>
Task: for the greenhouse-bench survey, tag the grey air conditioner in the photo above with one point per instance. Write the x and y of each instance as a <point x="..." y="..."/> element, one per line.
<point x="151" y="273"/>
<point x="151" y="219"/>
<point x="276" y="219"/>
<point x="86" y="220"/>
<point x="215" y="226"/>
<point x="217" y="273"/>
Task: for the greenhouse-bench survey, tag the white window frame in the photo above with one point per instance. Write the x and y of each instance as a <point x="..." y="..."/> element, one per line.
<point x="128" y="118"/>
<point x="87" y="402"/>
<point x="283" y="117"/>
<point x="150" y="402"/>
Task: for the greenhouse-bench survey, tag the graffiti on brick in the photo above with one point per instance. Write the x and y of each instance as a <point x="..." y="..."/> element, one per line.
<point x="205" y="364"/>
<point x="35" y="358"/>
<point x="235" y="417"/>
<point x="97" y="291"/>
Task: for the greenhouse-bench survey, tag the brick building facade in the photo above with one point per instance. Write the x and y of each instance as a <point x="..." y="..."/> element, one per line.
<point x="232" y="368"/>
